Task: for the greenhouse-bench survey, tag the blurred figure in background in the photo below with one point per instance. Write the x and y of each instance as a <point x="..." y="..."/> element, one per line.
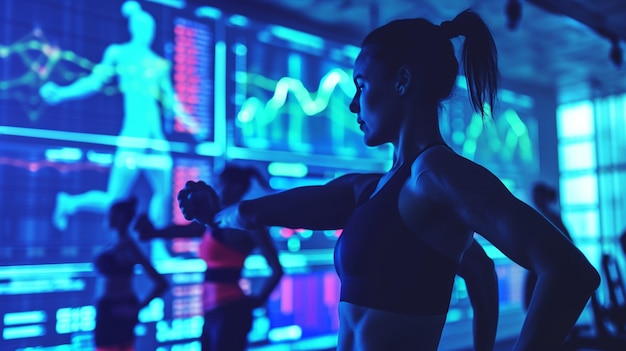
<point x="545" y="201"/>
<point x="118" y="305"/>
<point x="227" y="309"/>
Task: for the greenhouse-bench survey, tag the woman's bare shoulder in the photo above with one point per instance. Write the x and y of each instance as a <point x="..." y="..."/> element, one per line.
<point x="442" y="171"/>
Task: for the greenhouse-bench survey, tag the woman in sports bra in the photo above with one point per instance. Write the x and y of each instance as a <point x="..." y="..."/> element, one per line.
<point x="405" y="233"/>
<point x="227" y="309"/>
<point x="118" y="305"/>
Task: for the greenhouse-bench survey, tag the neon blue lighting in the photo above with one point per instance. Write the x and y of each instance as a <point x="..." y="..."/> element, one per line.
<point x="239" y="20"/>
<point x="493" y="252"/>
<point x="209" y="149"/>
<point x="294" y="244"/>
<point x="177" y="4"/>
<point x="577" y="156"/>
<point x="575" y="120"/>
<point x="50" y="348"/>
<point x="351" y="51"/>
<point x="283" y="169"/>
<point x="180" y="266"/>
<point x="298" y="37"/>
<point x="27" y="331"/>
<point x="240" y="50"/>
<point x="121" y="141"/>
<point x="362" y="164"/>
<point x="517" y="99"/>
<point x="192" y="346"/>
<point x="208" y="12"/>
<point x="66" y="154"/>
<point x="454" y="315"/>
<point x="291" y="332"/>
<point x="100" y="158"/>
<point x="27" y="317"/>
<point x="75" y="319"/>
<point x="45" y="270"/>
<point x="42" y="285"/>
<point x="179" y="329"/>
<point x="155" y="311"/>
<point x="461" y="82"/>
<point x="188" y="278"/>
<point x="220" y="96"/>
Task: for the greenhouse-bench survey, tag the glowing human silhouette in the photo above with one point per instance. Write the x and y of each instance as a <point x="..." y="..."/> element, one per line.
<point x="145" y="83"/>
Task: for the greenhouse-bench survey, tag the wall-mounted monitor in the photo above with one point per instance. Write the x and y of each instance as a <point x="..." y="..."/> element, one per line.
<point x="288" y="96"/>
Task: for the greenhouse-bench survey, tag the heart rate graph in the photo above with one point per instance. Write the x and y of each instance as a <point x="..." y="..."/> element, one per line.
<point x="312" y="103"/>
<point x="291" y="93"/>
<point x="505" y="141"/>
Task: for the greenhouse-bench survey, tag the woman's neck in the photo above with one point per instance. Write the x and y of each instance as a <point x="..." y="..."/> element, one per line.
<point x="418" y="132"/>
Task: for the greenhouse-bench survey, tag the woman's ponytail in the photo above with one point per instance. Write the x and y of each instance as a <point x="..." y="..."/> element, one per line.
<point x="479" y="58"/>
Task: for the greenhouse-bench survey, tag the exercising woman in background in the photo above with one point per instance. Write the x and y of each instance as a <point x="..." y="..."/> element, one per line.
<point x="118" y="306"/>
<point x="228" y="310"/>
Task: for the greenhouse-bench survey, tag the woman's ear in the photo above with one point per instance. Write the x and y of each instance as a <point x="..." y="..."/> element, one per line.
<point x="403" y="80"/>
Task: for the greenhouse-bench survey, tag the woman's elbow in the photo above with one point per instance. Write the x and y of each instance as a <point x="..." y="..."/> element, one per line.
<point x="590" y="278"/>
<point x="582" y="276"/>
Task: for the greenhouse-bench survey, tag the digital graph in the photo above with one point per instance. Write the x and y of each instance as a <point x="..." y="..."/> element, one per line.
<point x="291" y="93"/>
<point x="502" y="141"/>
<point x="300" y="117"/>
<point x="32" y="60"/>
<point x="311" y="103"/>
<point x="287" y="114"/>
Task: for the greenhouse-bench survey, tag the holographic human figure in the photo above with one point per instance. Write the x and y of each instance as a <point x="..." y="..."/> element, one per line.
<point x="145" y="82"/>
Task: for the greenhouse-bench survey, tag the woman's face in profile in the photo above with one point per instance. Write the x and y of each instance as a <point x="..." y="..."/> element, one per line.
<point x="375" y="101"/>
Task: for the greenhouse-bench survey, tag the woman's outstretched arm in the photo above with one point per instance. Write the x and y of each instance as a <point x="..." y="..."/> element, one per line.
<point x="313" y="207"/>
<point x="147" y="231"/>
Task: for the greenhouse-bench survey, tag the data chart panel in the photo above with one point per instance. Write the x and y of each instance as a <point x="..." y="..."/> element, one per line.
<point x="290" y="91"/>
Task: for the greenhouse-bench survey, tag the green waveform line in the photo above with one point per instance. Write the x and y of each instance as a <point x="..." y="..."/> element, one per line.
<point x="503" y="137"/>
<point x="311" y="103"/>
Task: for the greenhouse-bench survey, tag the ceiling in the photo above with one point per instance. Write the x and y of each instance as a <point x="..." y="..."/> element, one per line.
<point x="556" y="43"/>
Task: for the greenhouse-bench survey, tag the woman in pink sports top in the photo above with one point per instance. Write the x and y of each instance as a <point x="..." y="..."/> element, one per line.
<point x="227" y="309"/>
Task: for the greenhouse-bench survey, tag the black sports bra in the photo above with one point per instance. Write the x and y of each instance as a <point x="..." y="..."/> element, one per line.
<point x="383" y="265"/>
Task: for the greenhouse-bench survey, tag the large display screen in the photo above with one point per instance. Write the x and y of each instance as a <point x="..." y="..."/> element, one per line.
<point x="97" y="97"/>
<point x="290" y="91"/>
<point x="98" y="101"/>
